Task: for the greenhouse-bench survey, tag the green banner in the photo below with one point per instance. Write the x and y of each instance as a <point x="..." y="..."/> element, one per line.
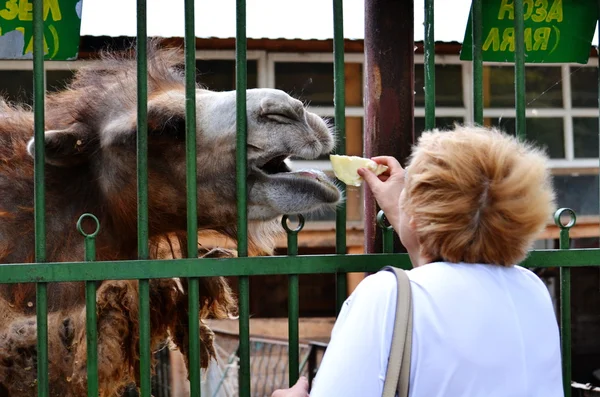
<point x="62" y="21"/>
<point x="556" y="31"/>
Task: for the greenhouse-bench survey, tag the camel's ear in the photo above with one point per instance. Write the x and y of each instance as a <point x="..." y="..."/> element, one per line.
<point x="166" y="115"/>
<point x="65" y="148"/>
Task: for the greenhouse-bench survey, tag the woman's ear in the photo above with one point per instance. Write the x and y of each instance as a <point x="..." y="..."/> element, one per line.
<point x="412" y="223"/>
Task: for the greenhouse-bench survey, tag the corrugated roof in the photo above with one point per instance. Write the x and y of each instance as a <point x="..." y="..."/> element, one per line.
<point x="272" y="19"/>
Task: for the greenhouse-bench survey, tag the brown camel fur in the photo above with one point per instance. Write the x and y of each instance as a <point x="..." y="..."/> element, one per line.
<point x="91" y="167"/>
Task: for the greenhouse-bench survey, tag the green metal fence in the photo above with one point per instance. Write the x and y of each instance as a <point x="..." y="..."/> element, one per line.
<point x="192" y="268"/>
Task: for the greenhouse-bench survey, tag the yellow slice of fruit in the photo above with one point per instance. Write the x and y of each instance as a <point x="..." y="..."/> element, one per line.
<point x="345" y="168"/>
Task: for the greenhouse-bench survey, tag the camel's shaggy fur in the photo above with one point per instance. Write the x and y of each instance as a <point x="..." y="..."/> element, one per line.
<point x="91" y="167"/>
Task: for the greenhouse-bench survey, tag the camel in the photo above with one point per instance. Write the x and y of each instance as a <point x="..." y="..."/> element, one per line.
<point x="90" y="154"/>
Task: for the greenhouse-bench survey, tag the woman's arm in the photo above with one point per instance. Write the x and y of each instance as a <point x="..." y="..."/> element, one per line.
<point x="300" y="389"/>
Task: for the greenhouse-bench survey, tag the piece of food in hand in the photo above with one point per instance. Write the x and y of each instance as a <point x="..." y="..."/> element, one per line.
<point x="346" y="168"/>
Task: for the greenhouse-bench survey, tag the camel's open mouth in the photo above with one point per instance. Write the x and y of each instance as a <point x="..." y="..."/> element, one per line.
<point x="278" y="169"/>
<point x="276" y="165"/>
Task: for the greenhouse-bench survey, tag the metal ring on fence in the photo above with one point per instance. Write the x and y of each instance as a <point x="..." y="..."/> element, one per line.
<point x="382" y="220"/>
<point x="80" y="228"/>
<point x="284" y="223"/>
<point x="559" y="213"/>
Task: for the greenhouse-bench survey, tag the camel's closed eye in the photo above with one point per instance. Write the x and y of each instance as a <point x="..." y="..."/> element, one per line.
<point x="281" y="118"/>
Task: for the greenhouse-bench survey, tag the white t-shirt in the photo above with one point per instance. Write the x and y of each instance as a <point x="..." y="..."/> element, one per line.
<point x="478" y="331"/>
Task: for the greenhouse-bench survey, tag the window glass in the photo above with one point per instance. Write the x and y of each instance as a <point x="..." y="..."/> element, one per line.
<point x="543" y="87"/>
<point x="219" y="75"/>
<point x="448" y="85"/>
<point x="584" y="86"/>
<point x="578" y="192"/>
<point x="546" y="132"/>
<point x="440" y="122"/>
<point x="17" y="86"/>
<point x="311" y="82"/>
<point x="585" y="137"/>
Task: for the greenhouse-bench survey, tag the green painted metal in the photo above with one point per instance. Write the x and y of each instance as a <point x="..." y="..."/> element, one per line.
<point x="429" y="65"/>
<point x="60" y="29"/>
<point x="387" y="233"/>
<point x="241" y="84"/>
<point x="142" y="185"/>
<point x="142" y="130"/>
<point x="145" y="354"/>
<point x="556" y="31"/>
<point x="252" y="266"/>
<point x="194" y="335"/>
<point x="243" y="266"/>
<point x="476" y="17"/>
<point x="190" y="131"/>
<point x="91" y="330"/>
<point x="192" y="197"/>
<point x="40" y="203"/>
<point x="244" y="326"/>
<point x="340" y="126"/>
<point x="293" y="302"/>
<point x="520" y="69"/>
<point x="565" y="297"/>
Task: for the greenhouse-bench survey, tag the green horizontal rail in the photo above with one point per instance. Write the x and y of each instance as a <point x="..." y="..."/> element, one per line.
<point x="252" y="266"/>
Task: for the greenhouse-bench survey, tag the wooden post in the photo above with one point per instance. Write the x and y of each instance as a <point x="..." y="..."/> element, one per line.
<point x="389" y="96"/>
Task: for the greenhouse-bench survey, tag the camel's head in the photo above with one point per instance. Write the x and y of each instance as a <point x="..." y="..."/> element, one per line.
<point x="279" y="127"/>
<point x="94" y="126"/>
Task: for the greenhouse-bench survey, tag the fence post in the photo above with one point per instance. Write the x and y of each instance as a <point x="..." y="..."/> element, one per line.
<point x="340" y="127"/>
<point x="40" y="201"/>
<point x="192" y="197"/>
<point x="565" y="297"/>
<point x="241" y="83"/>
<point x="389" y="94"/>
<point x="91" y="328"/>
<point x="293" y="302"/>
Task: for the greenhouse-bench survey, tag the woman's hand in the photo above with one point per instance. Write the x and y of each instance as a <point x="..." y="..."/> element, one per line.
<point x="386" y="187"/>
<point x="300" y="389"/>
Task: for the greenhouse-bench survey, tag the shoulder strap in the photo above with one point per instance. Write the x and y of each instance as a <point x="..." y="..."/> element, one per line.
<point x="398" y="370"/>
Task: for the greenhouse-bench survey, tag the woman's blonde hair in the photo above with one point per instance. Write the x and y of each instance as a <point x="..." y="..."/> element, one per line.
<point x="477" y="195"/>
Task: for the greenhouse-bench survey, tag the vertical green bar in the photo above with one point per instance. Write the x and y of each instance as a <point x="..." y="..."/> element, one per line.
<point x="241" y="84"/>
<point x="190" y="130"/>
<point x="565" y="298"/>
<point x="40" y="203"/>
<point x="142" y="184"/>
<point x="293" y="324"/>
<point x="340" y="124"/>
<point x="565" y="314"/>
<point x="387" y="233"/>
<point x="388" y="240"/>
<point x="293" y="302"/>
<point x="520" y="69"/>
<point x="91" y="330"/>
<point x="192" y="196"/>
<point x="477" y="24"/>
<point x="429" y="66"/>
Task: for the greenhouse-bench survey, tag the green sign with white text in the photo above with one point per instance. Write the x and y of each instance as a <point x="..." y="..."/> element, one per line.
<point x="556" y="31"/>
<point x="62" y="21"/>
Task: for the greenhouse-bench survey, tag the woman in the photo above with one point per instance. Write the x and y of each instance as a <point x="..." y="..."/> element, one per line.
<point x="468" y="207"/>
